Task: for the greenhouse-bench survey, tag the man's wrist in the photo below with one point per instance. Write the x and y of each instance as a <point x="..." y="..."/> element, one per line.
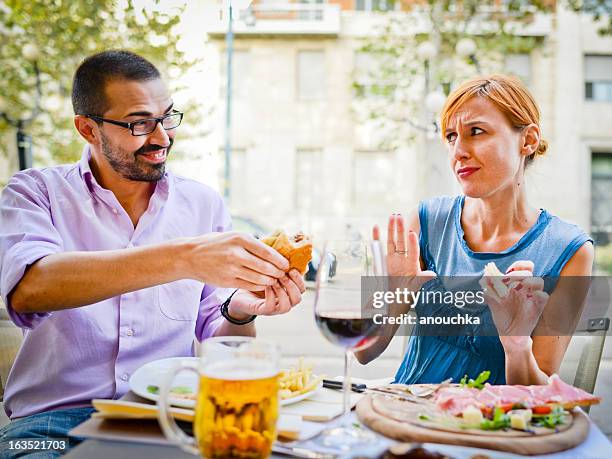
<point x="236" y="317"/>
<point x="180" y="256"/>
<point x="234" y="311"/>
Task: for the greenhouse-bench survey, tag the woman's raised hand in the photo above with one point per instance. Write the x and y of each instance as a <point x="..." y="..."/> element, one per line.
<point x="403" y="254"/>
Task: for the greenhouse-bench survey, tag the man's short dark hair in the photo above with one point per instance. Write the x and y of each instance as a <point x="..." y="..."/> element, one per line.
<point x="92" y="76"/>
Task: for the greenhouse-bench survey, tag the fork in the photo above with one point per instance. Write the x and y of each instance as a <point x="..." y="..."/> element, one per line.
<point x="431" y="390"/>
<point x="408" y="392"/>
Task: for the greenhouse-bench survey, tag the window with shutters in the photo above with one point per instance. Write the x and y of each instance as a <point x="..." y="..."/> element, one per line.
<point x="601" y="197"/>
<point x="311" y="84"/>
<point x="598" y="78"/>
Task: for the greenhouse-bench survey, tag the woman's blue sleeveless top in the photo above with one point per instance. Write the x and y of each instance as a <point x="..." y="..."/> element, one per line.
<point x="549" y="243"/>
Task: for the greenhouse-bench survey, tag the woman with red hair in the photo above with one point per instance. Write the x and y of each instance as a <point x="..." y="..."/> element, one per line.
<point x="491" y="128"/>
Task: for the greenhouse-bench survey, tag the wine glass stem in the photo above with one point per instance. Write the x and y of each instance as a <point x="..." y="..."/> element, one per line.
<point x="348" y="359"/>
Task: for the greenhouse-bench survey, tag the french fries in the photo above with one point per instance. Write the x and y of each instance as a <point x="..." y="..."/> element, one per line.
<point x="297" y="381"/>
<point x="292" y="382"/>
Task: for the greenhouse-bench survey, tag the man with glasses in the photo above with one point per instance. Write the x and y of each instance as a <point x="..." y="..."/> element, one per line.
<point x="114" y="262"/>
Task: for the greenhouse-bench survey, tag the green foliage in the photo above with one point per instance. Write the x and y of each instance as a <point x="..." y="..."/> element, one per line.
<point x="603" y="258"/>
<point x="391" y="84"/>
<point x="65" y="32"/>
<point x="600" y="10"/>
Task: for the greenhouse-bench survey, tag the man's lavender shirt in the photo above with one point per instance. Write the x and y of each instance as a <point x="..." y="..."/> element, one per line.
<point x="71" y="356"/>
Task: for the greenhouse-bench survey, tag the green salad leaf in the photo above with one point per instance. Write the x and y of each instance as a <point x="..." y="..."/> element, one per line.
<point x="500" y="420"/>
<point x="477" y="383"/>
<point x="181" y="390"/>
<point x="175" y="390"/>
<point x="153" y="390"/>
<point x="553" y="419"/>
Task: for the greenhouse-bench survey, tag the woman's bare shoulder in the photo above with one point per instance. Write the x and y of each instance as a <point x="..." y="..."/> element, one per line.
<point x="581" y="263"/>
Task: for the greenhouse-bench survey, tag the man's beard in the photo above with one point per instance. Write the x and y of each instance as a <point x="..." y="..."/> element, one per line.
<point x="130" y="165"/>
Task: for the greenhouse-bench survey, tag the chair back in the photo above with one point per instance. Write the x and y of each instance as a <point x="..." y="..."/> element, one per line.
<point x="11" y="337"/>
<point x="590" y="357"/>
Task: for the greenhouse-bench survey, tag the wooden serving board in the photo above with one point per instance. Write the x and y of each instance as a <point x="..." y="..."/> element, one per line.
<point x="404" y="425"/>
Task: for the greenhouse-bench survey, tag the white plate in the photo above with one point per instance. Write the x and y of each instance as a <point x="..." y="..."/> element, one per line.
<point x="154" y="373"/>
<point x="299" y="398"/>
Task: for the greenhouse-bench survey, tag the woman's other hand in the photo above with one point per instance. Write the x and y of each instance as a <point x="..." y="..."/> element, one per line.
<point x="517" y="313"/>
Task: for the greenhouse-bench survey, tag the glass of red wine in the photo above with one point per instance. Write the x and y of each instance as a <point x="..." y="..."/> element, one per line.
<point x="343" y="319"/>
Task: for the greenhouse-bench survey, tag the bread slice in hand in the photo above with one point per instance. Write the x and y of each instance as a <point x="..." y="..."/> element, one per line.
<point x="297" y="249"/>
<point x="491" y="270"/>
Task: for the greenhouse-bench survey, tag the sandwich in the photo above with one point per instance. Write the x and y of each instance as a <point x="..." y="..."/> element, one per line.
<point x="491" y="270"/>
<point x="297" y="249"/>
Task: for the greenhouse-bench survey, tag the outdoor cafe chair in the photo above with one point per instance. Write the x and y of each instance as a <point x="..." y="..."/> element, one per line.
<point x="590" y="356"/>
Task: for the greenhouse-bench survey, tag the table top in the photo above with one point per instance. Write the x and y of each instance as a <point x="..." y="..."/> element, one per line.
<point x="596" y="446"/>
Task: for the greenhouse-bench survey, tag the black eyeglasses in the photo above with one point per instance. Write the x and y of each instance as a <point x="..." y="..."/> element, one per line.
<point x="147" y="125"/>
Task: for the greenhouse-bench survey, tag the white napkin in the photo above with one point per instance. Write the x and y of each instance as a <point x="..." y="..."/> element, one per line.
<point x="302" y="430"/>
<point x="323" y="405"/>
<point x="289" y="427"/>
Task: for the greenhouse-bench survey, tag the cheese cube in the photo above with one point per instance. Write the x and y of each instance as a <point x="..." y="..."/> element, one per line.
<point x="472" y="415"/>
<point x="519" y="419"/>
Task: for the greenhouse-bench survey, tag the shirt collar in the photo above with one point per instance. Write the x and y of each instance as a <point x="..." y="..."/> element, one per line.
<point x="163" y="185"/>
<point x="85" y="169"/>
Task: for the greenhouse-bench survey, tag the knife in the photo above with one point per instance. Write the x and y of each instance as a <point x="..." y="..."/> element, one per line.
<point x="297" y="451"/>
<point x="332" y="384"/>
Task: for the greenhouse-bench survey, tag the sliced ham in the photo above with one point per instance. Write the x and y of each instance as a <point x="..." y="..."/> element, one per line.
<point x="501" y="395"/>
<point x="455" y="399"/>
<point x="558" y="391"/>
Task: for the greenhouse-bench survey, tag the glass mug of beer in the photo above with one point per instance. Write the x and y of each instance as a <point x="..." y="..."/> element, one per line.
<point x="237" y="401"/>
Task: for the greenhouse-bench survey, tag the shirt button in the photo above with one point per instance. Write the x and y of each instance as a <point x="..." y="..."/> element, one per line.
<point x="130" y="332"/>
<point x="115" y="211"/>
<point x="125" y="376"/>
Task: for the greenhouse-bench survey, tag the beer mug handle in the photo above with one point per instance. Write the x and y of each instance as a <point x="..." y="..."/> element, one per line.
<point x="166" y="421"/>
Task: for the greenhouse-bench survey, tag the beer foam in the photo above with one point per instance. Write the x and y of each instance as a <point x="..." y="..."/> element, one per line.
<point x="240" y="370"/>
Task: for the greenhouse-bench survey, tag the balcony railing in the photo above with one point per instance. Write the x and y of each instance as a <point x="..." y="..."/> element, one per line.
<point x="282" y="19"/>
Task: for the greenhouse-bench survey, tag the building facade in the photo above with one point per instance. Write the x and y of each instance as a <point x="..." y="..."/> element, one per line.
<point x="300" y="158"/>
